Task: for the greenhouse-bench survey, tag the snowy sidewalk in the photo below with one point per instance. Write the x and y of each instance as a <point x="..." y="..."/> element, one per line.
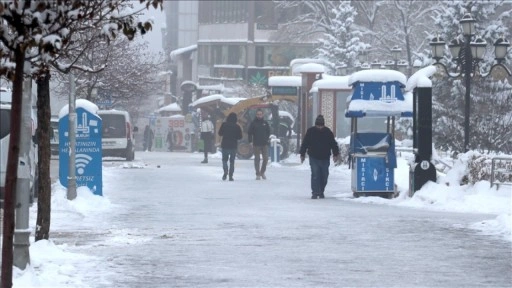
<point x="168" y="221"/>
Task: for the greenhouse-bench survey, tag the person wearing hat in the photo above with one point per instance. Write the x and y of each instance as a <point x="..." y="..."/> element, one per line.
<point x="318" y="142"/>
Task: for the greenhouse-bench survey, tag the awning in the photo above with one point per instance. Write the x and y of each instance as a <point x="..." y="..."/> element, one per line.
<point x="180" y="51"/>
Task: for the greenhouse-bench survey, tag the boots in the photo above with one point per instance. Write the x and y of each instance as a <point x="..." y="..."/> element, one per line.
<point x="225" y="175"/>
<point x="231" y="171"/>
<point x="205" y="161"/>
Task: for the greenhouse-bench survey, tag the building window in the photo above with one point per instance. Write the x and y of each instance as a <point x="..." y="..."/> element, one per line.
<point x="279" y="56"/>
<point x="216" y="54"/>
<point x="260" y="52"/>
<point x="204" y="54"/>
<point x="233" y="54"/>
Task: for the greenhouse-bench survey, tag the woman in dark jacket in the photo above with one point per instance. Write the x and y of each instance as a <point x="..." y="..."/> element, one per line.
<point x="230" y="132"/>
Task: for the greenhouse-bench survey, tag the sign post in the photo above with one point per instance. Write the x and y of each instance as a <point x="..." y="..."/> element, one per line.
<point x="88" y="153"/>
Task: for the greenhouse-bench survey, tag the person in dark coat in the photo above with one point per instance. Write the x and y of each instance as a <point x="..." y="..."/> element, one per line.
<point x="148" y="138"/>
<point x="230" y="132"/>
<point x="318" y="142"/>
<point x="170" y="139"/>
<point x="258" y="134"/>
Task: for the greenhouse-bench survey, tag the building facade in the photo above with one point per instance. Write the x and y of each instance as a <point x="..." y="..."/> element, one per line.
<point x="180" y="42"/>
<point x="237" y="42"/>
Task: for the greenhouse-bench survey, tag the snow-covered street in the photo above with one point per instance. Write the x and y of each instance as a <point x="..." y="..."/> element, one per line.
<point x="168" y="221"/>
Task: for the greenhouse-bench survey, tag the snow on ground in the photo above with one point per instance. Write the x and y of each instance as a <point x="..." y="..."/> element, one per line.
<point x="55" y="266"/>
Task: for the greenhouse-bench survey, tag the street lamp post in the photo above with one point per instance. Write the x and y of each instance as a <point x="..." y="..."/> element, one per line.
<point x="467" y="54"/>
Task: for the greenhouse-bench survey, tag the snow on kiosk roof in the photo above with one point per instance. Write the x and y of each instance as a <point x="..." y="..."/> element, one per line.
<point x="378" y="93"/>
<point x="332" y="83"/>
<point x="82" y="103"/>
<point x="311" y="68"/>
<point x="285" y="81"/>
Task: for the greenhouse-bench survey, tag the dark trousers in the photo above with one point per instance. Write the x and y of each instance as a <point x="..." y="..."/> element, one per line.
<point x="263" y="151"/>
<point x="228" y="154"/>
<point x="319" y="175"/>
<point x="207" y="146"/>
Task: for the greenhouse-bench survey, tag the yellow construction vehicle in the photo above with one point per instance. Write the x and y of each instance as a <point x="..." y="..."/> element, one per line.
<point x="246" y="111"/>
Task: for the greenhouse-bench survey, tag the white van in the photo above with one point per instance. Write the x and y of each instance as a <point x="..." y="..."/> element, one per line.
<point x="117" y="134"/>
<point x="5" y="130"/>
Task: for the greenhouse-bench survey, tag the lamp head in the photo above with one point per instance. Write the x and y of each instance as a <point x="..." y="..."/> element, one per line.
<point x="455" y="46"/>
<point x="478" y="48"/>
<point x="437" y="45"/>
<point x="468" y="24"/>
<point x="501" y="48"/>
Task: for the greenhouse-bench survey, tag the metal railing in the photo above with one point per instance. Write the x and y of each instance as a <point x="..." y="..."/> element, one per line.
<point x="501" y="171"/>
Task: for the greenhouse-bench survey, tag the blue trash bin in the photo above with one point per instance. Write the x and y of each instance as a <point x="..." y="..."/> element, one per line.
<point x="271" y="153"/>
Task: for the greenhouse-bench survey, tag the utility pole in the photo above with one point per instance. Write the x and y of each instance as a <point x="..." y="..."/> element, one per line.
<point x="21" y="255"/>
<point x="71" y="193"/>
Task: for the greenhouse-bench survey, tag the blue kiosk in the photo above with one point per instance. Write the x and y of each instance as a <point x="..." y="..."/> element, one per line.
<point x="376" y="101"/>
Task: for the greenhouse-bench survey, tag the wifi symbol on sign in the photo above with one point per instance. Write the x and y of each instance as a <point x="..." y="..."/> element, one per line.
<point x="81" y="161"/>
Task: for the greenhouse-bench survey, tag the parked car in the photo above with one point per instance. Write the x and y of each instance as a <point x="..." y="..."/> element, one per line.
<point x="54" y="135"/>
<point x="29" y="164"/>
<point x="117" y="134"/>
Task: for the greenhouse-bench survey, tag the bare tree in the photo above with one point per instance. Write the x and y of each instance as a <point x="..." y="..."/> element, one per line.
<point x="41" y="29"/>
<point x="131" y="73"/>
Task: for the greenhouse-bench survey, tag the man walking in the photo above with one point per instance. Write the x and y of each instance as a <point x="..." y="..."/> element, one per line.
<point x="258" y="134"/>
<point x="230" y="132"/>
<point x="206" y="136"/>
<point x="318" y="143"/>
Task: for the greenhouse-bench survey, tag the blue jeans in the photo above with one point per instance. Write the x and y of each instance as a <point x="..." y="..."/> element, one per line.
<point x="228" y="154"/>
<point x="319" y="175"/>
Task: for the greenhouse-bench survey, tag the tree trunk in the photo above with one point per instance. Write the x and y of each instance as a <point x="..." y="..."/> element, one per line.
<point x="12" y="169"/>
<point x="44" y="155"/>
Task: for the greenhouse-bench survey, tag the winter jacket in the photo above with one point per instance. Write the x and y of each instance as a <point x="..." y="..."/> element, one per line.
<point x="206" y="129"/>
<point x="258" y="133"/>
<point x="318" y="142"/>
<point x="230" y="132"/>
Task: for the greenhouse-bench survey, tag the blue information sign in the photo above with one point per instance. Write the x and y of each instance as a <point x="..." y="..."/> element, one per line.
<point x="388" y="92"/>
<point x="373" y="175"/>
<point x="87" y="151"/>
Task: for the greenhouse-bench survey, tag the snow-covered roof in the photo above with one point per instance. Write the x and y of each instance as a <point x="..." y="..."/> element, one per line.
<point x="305" y="60"/>
<point x="231" y="66"/>
<point x="332" y="82"/>
<point x="378" y="93"/>
<point x="175" y="53"/>
<point x="232" y="100"/>
<point x="421" y="78"/>
<point x="377" y="108"/>
<point x="293" y="81"/>
<point x="79" y="103"/>
<point x="377" y="75"/>
<point x="216" y="97"/>
<point x="311" y="68"/>
<point x="173" y="107"/>
<point x="218" y="87"/>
